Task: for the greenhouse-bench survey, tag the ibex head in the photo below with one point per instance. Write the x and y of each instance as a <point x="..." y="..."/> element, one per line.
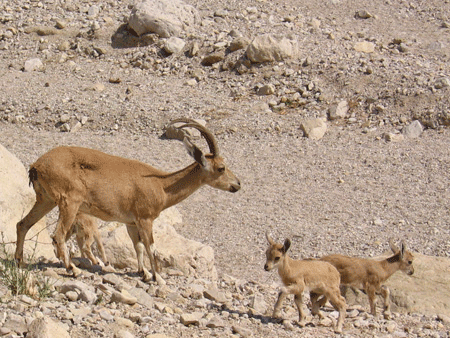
<point x="405" y="257"/>
<point x="275" y="252"/>
<point x="219" y="175"/>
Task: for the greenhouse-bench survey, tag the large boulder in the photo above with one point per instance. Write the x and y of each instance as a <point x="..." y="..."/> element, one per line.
<point x="16" y="200"/>
<point x="269" y="48"/>
<point x="173" y="250"/>
<point x="163" y="17"/>
<point x="427" y="291"/>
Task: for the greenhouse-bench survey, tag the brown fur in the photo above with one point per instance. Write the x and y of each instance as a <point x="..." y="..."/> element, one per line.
<point x="318" y="277"/>
<point x="117" y="189"/>
<point x="369" y="274"/>
<point x="86" y="230"/>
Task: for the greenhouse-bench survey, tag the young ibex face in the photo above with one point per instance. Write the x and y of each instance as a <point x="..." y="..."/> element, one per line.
<point x="405" y="257"/>
<point x="275" y="253"/>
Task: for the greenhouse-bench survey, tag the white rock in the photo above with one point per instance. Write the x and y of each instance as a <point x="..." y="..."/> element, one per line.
<point x="47" y="328"/>
<point x="174" y="45"/>
<point x="365" y="47"/>
<point x="314" y="129"/>
<point x="338" y="111"/>
<point x="413" y="130"/>
<point x="16" y="200"/>
<point x="268" y="48"/>
<point x="164" y="17"/>
<point x="33" y="64"/>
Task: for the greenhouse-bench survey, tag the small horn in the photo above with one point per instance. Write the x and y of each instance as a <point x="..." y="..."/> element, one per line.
<point x="269" y="239"/>
<point x="207" y="135"/>
<point x="394" y="247"/>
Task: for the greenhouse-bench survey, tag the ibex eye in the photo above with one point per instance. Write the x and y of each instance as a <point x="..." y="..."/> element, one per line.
<point x="277" y="259"/>
<point x="221" y="169"/>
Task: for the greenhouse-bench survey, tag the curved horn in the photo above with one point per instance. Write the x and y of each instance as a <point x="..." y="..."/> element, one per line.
<point x="207" y="135"/>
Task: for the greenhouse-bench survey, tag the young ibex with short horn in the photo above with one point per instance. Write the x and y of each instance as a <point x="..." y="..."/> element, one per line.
<point x="298" y="276"/>
<point x="118" y="189"/>
<point x="86" y="231"/>
<point x="370" y="274"/>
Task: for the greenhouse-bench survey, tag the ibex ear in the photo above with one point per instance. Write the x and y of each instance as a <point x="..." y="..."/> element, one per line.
<point x="195" y="152"/>
<point x="402" y="249"/>
<point x="287" y="245"/>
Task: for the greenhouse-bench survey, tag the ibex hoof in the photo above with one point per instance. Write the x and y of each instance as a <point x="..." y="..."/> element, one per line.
<point x="387" y="315"/>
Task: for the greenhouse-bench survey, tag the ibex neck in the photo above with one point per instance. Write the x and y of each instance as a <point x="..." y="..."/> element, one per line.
<point x="390" y="266"/>
<point x="285" y="269"/>
<point x="183" y="183"/>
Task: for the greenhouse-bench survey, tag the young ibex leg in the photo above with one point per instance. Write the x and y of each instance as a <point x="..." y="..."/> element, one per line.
<point x="84" y="243"/>
<point x="385" y="293"/>
<point x="316" y="303"/>
<point x="67" y="213"/>
<point x="100" y="247"/>
<point x="372" y="299"/>
<point x="42" y="207"/>
<point x="281" y="297"/>
<point x="298" y="300"/>
<point x="340" y="305"/>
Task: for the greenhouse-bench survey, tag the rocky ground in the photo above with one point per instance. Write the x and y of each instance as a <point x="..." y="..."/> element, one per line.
<point x="100" y="86"/>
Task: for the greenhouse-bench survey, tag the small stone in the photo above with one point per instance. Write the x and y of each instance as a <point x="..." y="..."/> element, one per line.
<point x="123" y="297"/>
<point x="213" y="58"/>
<point x="363" y="14"/>
<point x="64" y="46"/>
<point x="413" y="130"/>
<point x="60" y="24"/>
<point x="191" y="318"/>
<point x="174" y="45"/>
<point x="266" y="90"/>
<point x="338" y="111"/>
<point x="72" y="296"/>
<point x="365" y="47"/>
<point x="392" y="137"/>
<point x="33" y="65"/>
<point x="442" y="83"/>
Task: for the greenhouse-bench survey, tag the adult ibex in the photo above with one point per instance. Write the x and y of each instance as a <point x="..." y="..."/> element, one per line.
<point x="118" y="189"/>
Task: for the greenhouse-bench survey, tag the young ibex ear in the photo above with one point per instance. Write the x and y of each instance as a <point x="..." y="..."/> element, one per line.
<point x="195" y="152"/>
<point x="287" y="245"/>
<point x="402" y="249"/>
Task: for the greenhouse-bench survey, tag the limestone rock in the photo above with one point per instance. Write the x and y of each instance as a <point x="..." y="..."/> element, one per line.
<point x="174" y="45"/>
<point x="46" y="328"/>
<point x="417" y="293"/>
<point x="268" y="48"/>
<point x="338" y="111"/>
<point x="413" y="130"/>
<point x="16" y="200"/>
<point x="173" y="250"/>
<point x="365" y="47"/>
<point x="314" y="129"/>
<point x="163" y="17"/>
<point x="33" y="64"/>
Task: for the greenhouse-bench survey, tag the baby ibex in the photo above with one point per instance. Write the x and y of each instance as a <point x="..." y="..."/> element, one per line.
<point x="369" y="274"/>
<point x="86" y="231"/>
<point x="299" y="275"/>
